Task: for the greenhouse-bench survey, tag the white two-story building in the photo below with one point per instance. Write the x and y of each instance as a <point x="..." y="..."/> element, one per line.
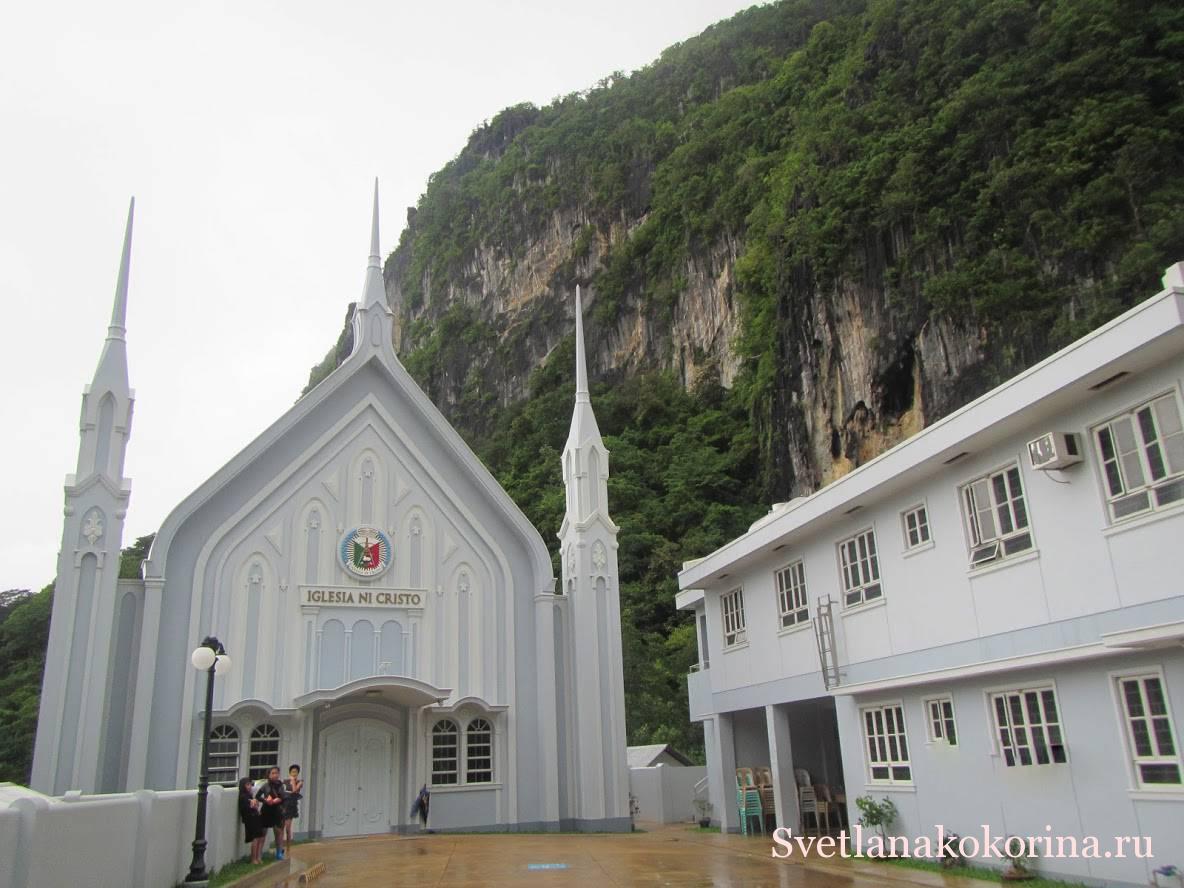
<point x="985" y="623"/>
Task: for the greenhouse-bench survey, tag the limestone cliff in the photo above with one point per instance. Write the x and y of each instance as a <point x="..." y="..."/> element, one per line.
<point x="855" y="216"/>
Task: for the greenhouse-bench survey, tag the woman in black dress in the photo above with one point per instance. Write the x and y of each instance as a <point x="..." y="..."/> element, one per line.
<point x="295" y="788"/>
<point x="271" y="795"/>
<point x="248" y="813"/>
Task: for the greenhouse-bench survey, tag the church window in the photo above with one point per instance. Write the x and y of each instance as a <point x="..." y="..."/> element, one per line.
<point x="479" y="752"/>
<point x="593" y="481"/>
<point x="445" y="770"/>
<point x="264" y="751"/>
<point x="224" y="755"/>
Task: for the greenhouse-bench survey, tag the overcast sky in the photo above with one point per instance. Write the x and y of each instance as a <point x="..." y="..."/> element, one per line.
<point x="250" y="133"/>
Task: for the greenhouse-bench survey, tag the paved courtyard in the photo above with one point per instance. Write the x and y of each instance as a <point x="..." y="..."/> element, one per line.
<point x="664" y="856"/>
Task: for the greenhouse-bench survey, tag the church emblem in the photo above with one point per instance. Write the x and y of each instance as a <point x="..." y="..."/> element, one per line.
<point x="365" y="552"/>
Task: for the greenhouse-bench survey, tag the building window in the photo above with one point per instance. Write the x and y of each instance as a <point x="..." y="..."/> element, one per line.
<point x="479" y="752"/>
<point x="941" y="720"/>
<point x="264" y="751"/>
<point x="1142" y="455"/>
<point x="1149" y="732"/>
<point x="704" y="650"/>
<point x="1029" y="727"/>
<point x="916" y="527"/>
<point x="224" y="755"/>
<point x="732" y="604"/>
<point x="445" y="764"/>
<point x="791" y="595"/>
<point x="887" y="746"/>
<point x="996" y="516"/>
<point x="861" y="569"/>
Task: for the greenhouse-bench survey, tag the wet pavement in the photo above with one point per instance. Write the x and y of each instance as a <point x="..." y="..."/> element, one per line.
<point x="671" y="855"/>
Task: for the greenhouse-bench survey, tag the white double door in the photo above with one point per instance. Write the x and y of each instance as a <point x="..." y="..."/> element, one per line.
<point x="358" y="778"/>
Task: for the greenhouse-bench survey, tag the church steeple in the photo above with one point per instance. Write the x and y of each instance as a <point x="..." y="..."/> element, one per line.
<point x="584" y="430"/>
<point x="373" y="321"/>
<point x="107" y="401"/>
<point x="588" y="543"/>
<point x="82" y="748"/>
<point x="112" y="369"/>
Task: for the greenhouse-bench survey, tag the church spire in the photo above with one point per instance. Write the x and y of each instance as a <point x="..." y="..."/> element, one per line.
<point x="112" y="370"/>
<point x="374" y="292"/>
<point x="581" y="362"/>
<point x="584" y="429"/>
<point x="373" y="321"/>
<point x="118" y="327"/>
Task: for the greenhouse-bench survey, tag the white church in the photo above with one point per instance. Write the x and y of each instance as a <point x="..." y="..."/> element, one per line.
<point x="391" y="615"/>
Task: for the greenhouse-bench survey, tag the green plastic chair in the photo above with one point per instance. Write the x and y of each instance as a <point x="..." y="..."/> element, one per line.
<point x="748" y="800"/>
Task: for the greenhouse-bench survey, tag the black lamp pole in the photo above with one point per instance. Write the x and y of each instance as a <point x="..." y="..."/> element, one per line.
<point x="197" y="867"/>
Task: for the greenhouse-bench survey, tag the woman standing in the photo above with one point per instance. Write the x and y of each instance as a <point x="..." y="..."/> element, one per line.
<point x="248" y="812"/>
<point x="271" y="794"/>
<point x="294" y="787"/>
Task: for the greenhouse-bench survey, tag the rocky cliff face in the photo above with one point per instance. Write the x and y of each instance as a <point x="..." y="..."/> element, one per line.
<point x="854" y="216"/>
<point x="856" y="376"/>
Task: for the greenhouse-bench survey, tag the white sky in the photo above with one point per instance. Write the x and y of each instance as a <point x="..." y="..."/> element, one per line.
<point x="250" y="133"/>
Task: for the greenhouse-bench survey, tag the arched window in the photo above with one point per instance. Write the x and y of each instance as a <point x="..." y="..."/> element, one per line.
<point x="265" y="751"/>
<point x="445" y="764"/>
<point x="224" y="755"/>
<point x="479" y="752"/>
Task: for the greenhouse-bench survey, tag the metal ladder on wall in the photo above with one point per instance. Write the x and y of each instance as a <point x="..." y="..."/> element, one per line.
<point x="824" y="634"/>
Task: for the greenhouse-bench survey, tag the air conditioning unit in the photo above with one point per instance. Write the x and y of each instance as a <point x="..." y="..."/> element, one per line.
<point x="1055" y="450"/>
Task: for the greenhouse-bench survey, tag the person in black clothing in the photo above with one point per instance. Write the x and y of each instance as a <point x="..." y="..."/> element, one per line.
<point x="271" y="795"/>
<point x="248" y="812"/>
<point x="295" y="788"/>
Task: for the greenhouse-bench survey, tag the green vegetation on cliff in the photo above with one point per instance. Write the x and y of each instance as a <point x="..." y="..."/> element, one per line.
<point x="24" y="633"/>
<point x="681" y="483"/>
<point x="1010" y="167"/>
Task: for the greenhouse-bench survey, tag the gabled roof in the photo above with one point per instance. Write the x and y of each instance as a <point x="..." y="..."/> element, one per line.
<point x="373" y="346"/>
<point x="647" y="756"/>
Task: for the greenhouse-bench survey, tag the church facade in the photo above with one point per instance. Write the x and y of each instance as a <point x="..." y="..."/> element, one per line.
<point x="391" y="615"/>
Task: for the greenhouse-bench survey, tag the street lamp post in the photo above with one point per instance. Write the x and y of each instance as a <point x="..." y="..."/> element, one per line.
<point x="210" y="657"/>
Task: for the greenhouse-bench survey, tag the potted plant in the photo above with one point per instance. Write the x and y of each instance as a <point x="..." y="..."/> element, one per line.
<point x="703" y="809"/>
<point x="1019" y="854"/>
<point x="877" y="814"/>
<point x="949" y="855"/>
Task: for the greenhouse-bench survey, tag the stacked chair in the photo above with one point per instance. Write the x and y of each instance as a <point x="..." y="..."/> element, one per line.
<point x="748" y="799"/>
<point x="764" y="785"/>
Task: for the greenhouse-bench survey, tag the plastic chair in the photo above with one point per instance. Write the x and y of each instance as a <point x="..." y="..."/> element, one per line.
<point x="824" y="804"/>
<point x="764" y="785"/>
<point x="748" y="800"/>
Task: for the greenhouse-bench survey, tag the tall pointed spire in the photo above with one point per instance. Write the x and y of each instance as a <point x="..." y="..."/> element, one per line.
<point x="112" y="370"/>
<point x="374" y="291"/>
<point x="375" y="257"/>
<point x="583" y="420"/>
<point x="118" y="327"/>
<point x="581" y="361"/>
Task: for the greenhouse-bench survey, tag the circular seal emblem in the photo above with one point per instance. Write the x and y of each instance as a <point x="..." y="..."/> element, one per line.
<point x="365" y="552"/>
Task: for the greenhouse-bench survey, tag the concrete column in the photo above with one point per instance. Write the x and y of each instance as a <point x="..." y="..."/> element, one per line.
<point x="721" y="770"/>
<point x="785" y="791"/>
<point x="548" y="761"/>
<point x="137" y="759"/>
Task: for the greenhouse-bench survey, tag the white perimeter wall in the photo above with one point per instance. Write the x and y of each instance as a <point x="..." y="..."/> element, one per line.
<point x="143" y="839"/>
<point x="665" y="793"/>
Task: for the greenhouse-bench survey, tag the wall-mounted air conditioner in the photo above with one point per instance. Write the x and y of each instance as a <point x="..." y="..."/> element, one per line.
<point x="1055" y="450"/>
